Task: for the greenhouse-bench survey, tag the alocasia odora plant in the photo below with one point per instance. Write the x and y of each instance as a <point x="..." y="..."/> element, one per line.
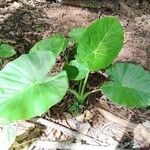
<point x="27" y="89"/>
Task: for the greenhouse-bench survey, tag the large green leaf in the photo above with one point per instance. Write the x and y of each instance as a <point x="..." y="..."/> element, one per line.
<point x="55" y="44"/>
<point x="25" y="88"/>
<point x="101" y="43"/>
<point x="6" y="51"/>
<point x="130" y="85"/>
<point x="76" y="70"/>
<point x="76" y="33"/>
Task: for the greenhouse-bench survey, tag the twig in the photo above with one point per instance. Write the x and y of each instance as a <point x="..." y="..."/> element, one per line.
<point x="7" y="41"/>
<point x="71" y="146"/>
<point x="129" y="10"/>
<point x="77" y="135"/>
<point x="112" y="118"/>
<point x="142" y="130"/>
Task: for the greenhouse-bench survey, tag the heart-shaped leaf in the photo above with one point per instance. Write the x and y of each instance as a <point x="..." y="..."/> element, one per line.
<point x="100" y="43"/>
<point x="55" y="44"/>
<point x="76" y="70"/>
<point x="76" y="33"/>
<point x="6" y="51"/>
<point x="130" y="85"/>
<point x="25" y="88"/>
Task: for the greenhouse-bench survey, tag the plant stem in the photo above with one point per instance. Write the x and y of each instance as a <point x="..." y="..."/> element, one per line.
<point x="1" y="63"/>
<point x="75" y="94"/>
<point x="66" y="54"/>
<point x="80" y="86"/>
<point x="96" y="90"/>
<point x="88" y="93"/>
<point x="84" y="85"/>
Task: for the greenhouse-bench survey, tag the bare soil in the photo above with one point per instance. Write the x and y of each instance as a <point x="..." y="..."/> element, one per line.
<point x="25" y="22"/>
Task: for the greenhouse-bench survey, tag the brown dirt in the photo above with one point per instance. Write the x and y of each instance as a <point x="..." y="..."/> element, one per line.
<point x="25" y="22"/>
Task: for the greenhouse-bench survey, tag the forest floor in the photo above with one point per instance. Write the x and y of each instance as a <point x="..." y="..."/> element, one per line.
<point x="101" y="124"/>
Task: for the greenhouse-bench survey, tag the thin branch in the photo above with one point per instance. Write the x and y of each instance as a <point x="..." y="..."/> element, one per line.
<point x="71" y="146"/>
<point x="75" y="134"/>
<point x="142" y="130"/>
<point x="130" y="11"/>
<point x="112" y="118"/>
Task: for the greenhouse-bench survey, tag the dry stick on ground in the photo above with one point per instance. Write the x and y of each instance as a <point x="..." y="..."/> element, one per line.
<point x="70" y="146"/>
<point x="130" y="11"/>
<point x="75" y="134"/>
<point x="7" y="41"/>
<point x="142" y="131"/>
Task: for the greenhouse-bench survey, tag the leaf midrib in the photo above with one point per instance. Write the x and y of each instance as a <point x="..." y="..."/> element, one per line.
<point x="105" y="36"/>
<point x="97" y="48"/>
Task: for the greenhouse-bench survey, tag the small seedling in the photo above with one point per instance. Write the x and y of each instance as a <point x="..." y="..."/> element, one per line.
<point x="96" y="48"/>
<point x="6" y="51"/>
